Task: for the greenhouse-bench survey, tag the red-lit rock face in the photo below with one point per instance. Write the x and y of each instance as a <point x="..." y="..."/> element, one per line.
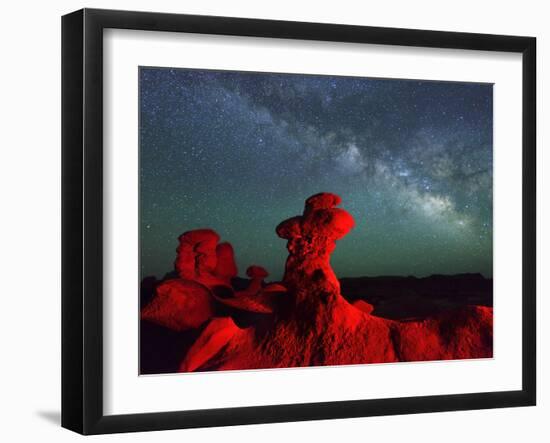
<point x="311" y="240"/>
<point x="202" y="265"/>
<point x="305" y="321"/>
<point x="202" y="259"/>
<point x="179" y="305"/>
<point x="256" y="271"/>
<point x="226" y="268"/>
<point x="196" y="255"/>
<point x="257" y="275"/>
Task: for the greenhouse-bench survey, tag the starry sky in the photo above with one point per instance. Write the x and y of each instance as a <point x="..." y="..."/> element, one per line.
<point x="239" y="152"/>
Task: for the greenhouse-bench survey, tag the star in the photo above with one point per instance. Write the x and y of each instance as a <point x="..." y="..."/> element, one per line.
<point x="239" y="152"/>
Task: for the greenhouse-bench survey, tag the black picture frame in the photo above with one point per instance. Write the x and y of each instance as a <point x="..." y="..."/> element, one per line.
<point x="82" y="218"/>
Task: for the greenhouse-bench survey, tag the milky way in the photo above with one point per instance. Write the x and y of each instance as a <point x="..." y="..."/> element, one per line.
<point x="240" y="152"/>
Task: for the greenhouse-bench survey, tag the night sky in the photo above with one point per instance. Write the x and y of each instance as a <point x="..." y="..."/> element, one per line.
<point x="240" y="152"/>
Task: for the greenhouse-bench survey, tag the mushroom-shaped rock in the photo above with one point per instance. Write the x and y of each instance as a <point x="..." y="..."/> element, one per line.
<point x="179" y="305"/>
<point x="323" y="200"/>
<point x="311" y="239"/>
<point x="257" y="275"/>
<point x="290" y="228"/>
<point x="464" y="332"/>
<point x="196" y="254"/>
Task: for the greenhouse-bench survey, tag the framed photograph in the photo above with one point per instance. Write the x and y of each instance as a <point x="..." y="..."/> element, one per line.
<point x="269" y="221"/>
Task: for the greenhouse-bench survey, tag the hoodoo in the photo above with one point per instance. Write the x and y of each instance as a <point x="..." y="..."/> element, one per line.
<point x="303" y="320"/>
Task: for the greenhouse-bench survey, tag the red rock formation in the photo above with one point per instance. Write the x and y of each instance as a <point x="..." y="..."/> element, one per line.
<point x="274" y="288"/>
<point x="251" y="303"/>
<point x="313" y="324"/>
<point x="257" y="275"/>
<point x="256" y="297"/>
<point x="311" y="239"/>
<point x="179" y="305"/>
<point x="226" y="268"/>
<point x="203" y="266"/>
<point x="200" y="258"/>
<point x="364" y="306"/>
<point x="215" y="336"/>
<point x="455" y="334"/>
